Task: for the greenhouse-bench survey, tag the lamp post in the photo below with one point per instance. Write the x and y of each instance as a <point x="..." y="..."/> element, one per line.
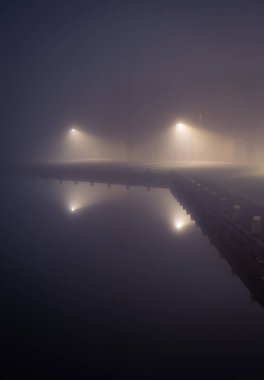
<point x="181" y="131"/>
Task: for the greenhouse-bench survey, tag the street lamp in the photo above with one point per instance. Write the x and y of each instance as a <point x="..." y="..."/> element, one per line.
<point x="181" y="132"/>
<point x="180" y="127"/>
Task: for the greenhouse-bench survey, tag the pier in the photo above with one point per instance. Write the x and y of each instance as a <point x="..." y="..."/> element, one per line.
<point x="233" y="224"/>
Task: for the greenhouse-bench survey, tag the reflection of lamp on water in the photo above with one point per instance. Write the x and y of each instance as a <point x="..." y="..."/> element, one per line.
<point x="73" y="208"/>
<point x="182" y="222"/>
<point x="178" y="224"/>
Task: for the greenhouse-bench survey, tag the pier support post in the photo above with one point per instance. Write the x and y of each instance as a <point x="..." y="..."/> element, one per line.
<point x="256" y="225"/>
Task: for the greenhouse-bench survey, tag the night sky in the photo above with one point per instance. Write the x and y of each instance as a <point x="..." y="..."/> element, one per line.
<point x="127" y="68"/>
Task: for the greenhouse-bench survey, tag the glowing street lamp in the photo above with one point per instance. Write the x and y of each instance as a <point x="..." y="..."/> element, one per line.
<point x="180" y="127"/>
<point x="180" y="134"/>
<point x="76" y="142"/>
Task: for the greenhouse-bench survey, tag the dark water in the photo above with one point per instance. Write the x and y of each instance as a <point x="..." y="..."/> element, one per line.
<point x="114" y="289"/>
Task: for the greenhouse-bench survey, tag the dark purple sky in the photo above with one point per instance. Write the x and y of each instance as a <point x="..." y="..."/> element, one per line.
<point x="127" y="68"/>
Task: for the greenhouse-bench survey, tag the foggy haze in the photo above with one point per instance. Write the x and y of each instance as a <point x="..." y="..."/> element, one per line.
<point x="126" y="72"/>
<point x="132" y="212"/>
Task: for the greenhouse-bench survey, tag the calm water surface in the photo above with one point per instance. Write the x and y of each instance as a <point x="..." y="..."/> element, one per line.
<point x="101" y="282"/>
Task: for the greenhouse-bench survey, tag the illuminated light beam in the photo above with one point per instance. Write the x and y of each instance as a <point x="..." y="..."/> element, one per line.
<point x="74" y="133"/>
<point x="180" y="127"/>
